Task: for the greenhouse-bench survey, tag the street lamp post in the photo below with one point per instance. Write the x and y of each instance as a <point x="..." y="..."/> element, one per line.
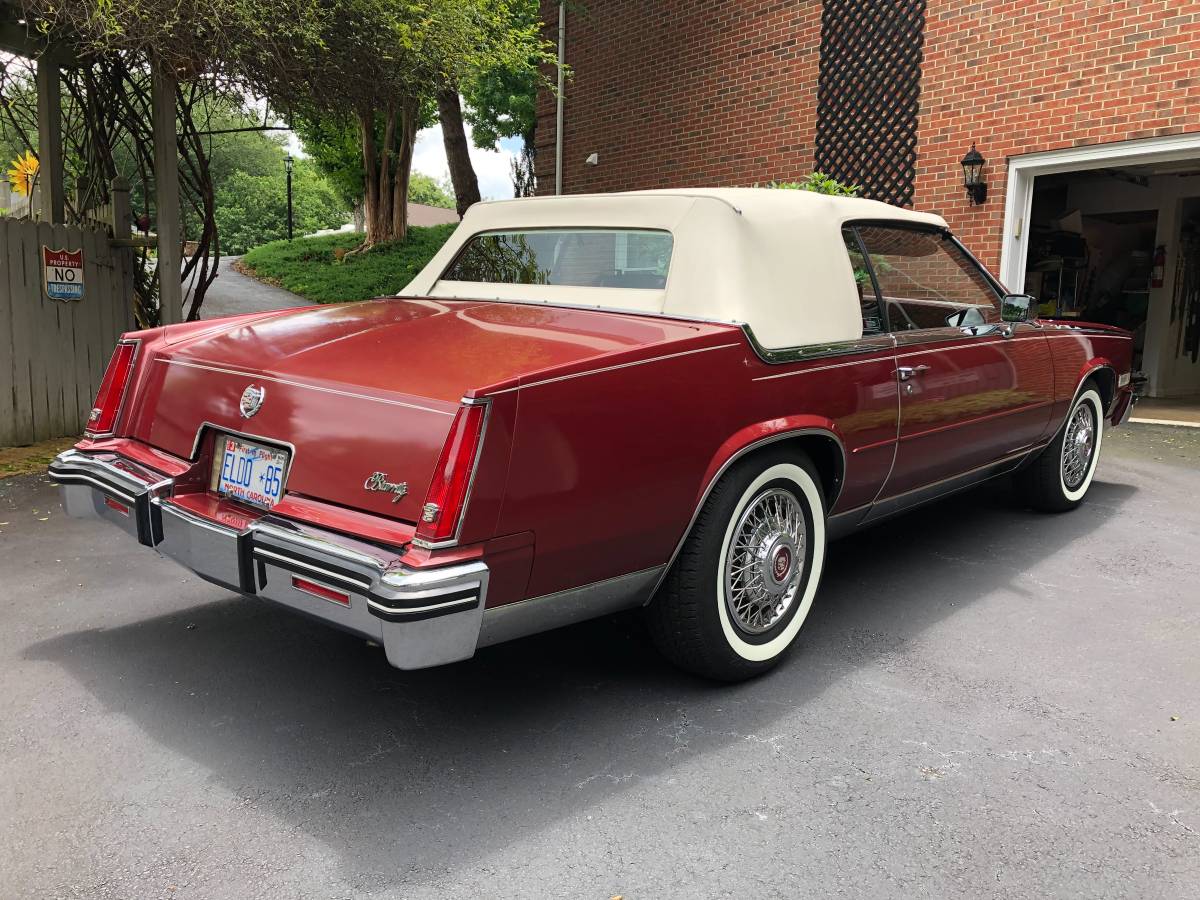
<point x="287" y="163"/>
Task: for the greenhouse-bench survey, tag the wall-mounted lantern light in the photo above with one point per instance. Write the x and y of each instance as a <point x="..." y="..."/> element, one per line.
<point x="972" y="165"/>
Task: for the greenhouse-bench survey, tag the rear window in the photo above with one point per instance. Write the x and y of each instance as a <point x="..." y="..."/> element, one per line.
<point x="593" y="257"/>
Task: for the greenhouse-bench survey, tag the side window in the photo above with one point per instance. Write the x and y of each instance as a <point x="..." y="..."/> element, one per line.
<point x="926" y="281"/>
<point x="872" y="318"/>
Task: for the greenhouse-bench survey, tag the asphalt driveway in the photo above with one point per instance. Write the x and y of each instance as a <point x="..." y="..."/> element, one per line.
<point x="984" y="702"/>
<point x="233" y="293"/>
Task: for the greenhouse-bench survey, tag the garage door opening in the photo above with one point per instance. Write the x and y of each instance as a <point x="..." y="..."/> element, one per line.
<point x="1111" y="234"/>
<point x="1098" y="266"/>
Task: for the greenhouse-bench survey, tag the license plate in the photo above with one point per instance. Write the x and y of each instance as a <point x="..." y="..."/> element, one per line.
<point x="250" y="472"/>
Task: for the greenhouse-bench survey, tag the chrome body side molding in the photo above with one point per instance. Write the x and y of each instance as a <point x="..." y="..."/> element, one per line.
<point x="538" y="614"/>
<point x="870" y="344"/>
<point x="897" y="503"/>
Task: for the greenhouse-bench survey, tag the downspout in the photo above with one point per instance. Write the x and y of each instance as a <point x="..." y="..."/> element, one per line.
<point x="558" y="112"/>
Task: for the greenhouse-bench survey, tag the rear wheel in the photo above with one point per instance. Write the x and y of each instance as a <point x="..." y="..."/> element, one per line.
<point x="1059" y="478"/>
<point x="739" y="592"/>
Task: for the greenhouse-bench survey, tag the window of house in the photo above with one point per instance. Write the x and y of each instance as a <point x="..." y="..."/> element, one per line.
<point x="926" y="280"/>
<point x="592" y="257"/>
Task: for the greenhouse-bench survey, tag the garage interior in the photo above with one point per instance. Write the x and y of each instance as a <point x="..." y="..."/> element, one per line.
<point x="1122" y="246"/>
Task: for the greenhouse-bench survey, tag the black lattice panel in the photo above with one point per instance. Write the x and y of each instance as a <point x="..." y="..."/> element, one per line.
<point x="868" y="95"/>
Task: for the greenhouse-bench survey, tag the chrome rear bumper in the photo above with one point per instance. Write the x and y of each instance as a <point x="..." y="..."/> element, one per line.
<point x="1125" y="402"/>
<point x="421" y="617"/>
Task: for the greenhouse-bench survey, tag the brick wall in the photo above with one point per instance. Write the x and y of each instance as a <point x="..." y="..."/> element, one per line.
<point x="1025" y="76"/>
<point x="703" y="92"/>
<point x="683" y="93"/>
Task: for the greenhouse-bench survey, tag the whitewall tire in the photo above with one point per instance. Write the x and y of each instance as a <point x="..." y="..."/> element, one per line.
<point x="745" y="580"/>
<point x="1059" y="478"/>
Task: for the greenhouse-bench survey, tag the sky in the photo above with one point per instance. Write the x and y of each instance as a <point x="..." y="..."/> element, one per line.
<point x="493" y="168"/>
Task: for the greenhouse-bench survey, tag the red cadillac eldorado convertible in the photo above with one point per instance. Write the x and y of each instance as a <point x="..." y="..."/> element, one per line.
<point x="586" y="404"/>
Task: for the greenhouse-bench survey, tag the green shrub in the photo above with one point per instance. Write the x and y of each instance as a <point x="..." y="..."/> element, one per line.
<point x="311" y="267"/>
<point x="818" y="183"/>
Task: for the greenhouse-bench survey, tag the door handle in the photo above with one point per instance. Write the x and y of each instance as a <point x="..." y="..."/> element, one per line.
<point x="907" y="372"/>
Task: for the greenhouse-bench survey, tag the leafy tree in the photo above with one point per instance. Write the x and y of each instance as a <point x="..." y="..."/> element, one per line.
<point x="458" y="154"/>
<point x="502" y="102"/>
<point x="373" y="63"/>
<point x="334" y="147"/>
<point x="426" y="189"/>
<point x="502" y="99"/>
<point x="382" y="61"/>
<point x="333" y="144"/>
<point x="230" y="149"/>
<point x="252" y="209"/>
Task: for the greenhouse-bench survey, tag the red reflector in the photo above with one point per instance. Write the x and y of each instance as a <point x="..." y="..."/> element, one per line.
<point x="119" y="507"/>
<point x="103" y="417"/>
<point x="319" y="590"/>
<point x="448" y="491"/>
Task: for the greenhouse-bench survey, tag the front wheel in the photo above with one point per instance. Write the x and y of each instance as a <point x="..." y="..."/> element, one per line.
<point x="1060" y="477"/>
<point x="743" y="583"/>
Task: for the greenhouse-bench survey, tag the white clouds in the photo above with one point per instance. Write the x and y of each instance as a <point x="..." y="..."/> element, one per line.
<point x="492" y="167"/>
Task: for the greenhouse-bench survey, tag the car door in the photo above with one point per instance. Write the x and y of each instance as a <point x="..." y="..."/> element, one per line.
<point x="974" y="390"/>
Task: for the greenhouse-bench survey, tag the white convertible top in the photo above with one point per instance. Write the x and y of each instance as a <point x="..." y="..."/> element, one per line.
<point x="773" y="259"/>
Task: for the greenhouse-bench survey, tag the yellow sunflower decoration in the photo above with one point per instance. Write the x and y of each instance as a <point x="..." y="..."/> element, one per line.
<point x="23" y="174"/>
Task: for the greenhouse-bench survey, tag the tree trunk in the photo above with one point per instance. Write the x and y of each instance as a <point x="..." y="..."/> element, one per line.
<point x="454" y="136"/>
<point x="366" y="127"/>
<point x="410" y="113"/>
<point x="386" y="170"/>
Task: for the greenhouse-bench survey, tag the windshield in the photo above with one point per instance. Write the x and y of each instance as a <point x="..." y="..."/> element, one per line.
<point x="592" y="257"/>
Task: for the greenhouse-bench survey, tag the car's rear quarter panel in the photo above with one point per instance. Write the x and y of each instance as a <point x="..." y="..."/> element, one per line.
<point x="608" y="467"/>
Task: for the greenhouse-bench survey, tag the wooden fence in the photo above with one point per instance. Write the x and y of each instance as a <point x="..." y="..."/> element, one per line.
<point x="52" y="352"/>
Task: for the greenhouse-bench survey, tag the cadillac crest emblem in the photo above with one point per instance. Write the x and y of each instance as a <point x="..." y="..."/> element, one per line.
<point x="252" y="400"/>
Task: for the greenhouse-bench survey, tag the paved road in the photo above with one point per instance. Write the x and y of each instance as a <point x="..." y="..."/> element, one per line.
<point x="232" y="293"/>
<point x="981" y="705"/>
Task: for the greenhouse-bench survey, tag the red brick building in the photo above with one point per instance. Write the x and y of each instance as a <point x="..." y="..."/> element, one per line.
<point x="1088" y="112"/>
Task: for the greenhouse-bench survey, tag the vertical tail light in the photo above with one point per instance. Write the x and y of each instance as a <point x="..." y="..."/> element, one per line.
<point x="447" y="497"/>
<point x="103" y="417"/>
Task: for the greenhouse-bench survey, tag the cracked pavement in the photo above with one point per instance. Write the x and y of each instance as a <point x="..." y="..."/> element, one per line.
<point x="984" y="702"/>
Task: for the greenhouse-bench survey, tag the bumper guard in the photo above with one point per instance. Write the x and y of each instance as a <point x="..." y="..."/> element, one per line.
<point x="421" y="617"/>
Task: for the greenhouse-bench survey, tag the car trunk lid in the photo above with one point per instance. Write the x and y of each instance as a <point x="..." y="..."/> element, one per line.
<point x="370" y="387"/>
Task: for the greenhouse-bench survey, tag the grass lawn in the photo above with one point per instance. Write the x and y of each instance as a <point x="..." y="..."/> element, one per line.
<point x="310" y="267"/>
<point x="32" y="458"/>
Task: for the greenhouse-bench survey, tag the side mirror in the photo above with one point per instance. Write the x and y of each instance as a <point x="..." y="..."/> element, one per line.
<point x="1018" y="308"/>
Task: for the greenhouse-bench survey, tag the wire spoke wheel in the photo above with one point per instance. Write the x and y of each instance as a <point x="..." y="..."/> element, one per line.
<point x="1078" y="445"/>
<point x="764" y="565"/>
<point x="747" y="573"/>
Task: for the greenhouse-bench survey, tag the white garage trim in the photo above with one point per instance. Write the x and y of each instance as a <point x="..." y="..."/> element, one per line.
<point x="1022" y="170"/>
